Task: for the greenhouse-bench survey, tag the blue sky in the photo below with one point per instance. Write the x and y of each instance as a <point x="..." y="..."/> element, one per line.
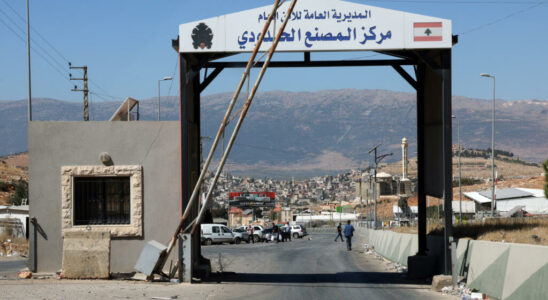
<point x="127" y="47"/>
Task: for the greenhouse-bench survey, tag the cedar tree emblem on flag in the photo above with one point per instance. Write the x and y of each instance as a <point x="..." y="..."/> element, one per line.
<point x="202" y="36"/>
<point x="427" y="32"/>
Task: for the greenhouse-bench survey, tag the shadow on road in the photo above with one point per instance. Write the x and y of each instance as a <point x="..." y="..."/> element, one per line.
<point x="342" y="277"/>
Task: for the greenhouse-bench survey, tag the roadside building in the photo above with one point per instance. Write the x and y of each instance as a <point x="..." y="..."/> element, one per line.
<point x="239" y="217"/>
<point x="121" y="177"/>
<point x="14" y="220"/>
<point x="532" y="201"/>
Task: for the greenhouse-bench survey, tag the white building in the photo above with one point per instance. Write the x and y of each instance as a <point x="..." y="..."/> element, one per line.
<point x="14" y="219"/>
<point x="533" y="200"/>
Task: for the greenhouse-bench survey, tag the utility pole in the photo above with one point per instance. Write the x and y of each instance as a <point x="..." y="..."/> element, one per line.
<point x="28" y="62"/>
<point x="378" y="159"/>
<point x="85" y="89"/>
<point x="361" y="202"/>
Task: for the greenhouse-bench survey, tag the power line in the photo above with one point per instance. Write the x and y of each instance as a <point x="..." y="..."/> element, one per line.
<point x="60" y="66"/>
<point x="458" y="2"/>
<point x="35" y="31"/>
<point x="35" y="51"/>
<point x="502" y="18"/>
<point x="23" y="32"/>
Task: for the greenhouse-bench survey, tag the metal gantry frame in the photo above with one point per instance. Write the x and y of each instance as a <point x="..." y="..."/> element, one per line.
<point x="432" y="82"/>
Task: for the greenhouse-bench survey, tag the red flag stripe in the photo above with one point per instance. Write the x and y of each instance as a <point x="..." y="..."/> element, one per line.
<point x="428" y="38"/>
<point x="427" y="24"/>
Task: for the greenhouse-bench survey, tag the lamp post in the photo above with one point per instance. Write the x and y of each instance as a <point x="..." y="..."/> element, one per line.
<point x="163" y="79"/>
<point x="460" y="174"/>
<point x="492" y="147"/>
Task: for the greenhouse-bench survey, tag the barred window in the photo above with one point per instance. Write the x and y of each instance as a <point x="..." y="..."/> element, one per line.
<point x="101" y="200"/>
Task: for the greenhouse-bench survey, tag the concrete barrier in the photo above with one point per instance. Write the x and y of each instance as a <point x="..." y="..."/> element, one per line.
<point x="86" y="255"/>
<point x="398" y="247"/>
<point x="505" y="270"/>
<point x="501" y="270"/>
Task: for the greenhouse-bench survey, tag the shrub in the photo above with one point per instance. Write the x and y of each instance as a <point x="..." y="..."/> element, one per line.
<point x="21" y="192"/>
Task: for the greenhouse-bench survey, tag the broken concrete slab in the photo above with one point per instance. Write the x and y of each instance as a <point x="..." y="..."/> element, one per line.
<point x="441" y="281"/>
<point x="86" y="255"/>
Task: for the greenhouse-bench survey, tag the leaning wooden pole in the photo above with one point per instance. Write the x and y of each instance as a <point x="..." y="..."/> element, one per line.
<point x="233" y="101"/>
<point x="242" y="117"/>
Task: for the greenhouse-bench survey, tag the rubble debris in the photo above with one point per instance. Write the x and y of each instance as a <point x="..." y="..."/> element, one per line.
<point x="25" y="274"/>
<point x="439" y="282"/>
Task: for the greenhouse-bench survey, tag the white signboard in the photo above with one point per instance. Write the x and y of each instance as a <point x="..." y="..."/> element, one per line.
<point x="318" y="25"/>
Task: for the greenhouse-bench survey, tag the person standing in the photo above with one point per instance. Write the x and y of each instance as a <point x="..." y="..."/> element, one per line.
<point x="348" y="233"/>
<point x="288" y="230"/>
<point x="275" y="232"/>
<point x="339" y="233"/>
<point x="250" y="233"/>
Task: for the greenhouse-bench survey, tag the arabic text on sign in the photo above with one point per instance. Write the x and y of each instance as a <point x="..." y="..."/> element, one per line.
<point x="361" y="34"/>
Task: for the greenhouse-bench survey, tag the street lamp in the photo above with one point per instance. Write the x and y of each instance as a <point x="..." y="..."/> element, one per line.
<point x="492" y="147"/>
<point x="163" y="79"/>
<point x="460" y="174"/>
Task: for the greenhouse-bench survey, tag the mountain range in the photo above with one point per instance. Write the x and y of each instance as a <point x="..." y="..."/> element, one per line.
<point x="306" y="133"/>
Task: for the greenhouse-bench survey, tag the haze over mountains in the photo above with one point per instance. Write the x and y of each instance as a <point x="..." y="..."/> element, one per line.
<point x="314" y="132"/>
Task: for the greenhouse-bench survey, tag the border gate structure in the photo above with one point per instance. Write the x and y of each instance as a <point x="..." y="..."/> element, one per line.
<point x="422" y="42"/>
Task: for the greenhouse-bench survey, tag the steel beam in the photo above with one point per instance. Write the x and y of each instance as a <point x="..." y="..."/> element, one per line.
<point x="421" y="191"/>
<point x="445" y="57"/>
<point x="210" y="78"/>
<point x="405" y="76"/>
<point x="189" y="111"/>
<point x="315" y="64"/>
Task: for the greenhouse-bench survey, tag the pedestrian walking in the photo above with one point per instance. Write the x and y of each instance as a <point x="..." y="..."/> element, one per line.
<point x="339" y="233"/>
<point x="348" y="233"/>
<point x="250" y="233"/>
<point x="276" y="232"/>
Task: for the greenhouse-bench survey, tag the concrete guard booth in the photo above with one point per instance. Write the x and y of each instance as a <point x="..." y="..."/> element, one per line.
<point x="162" y="159"/>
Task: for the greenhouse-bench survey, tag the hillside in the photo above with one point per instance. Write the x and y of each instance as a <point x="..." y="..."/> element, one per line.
<point x="12" y="169"/>
<point x="306" y="133"/>
<point x="476" y="168"/>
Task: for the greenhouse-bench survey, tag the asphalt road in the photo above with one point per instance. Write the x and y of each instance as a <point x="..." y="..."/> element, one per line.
<point x="302" y="269"/>
<point x="10" y="267"/>
<point x="315" y="268"/>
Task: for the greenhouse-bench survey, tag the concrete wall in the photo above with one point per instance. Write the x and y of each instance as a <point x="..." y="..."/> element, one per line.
<point x="153" y="145"/>
<point x="501" y="270"/>
<point x="504" y="270"/>
<point x="398" y="246"/>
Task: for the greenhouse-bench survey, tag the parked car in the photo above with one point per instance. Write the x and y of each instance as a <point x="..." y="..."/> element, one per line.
<point x="216" y="234"/>
<point x="240" y="235"/>
<point x="298" y="231"/>
<point x="267" y="235"/>
<point x="257" y="232"/>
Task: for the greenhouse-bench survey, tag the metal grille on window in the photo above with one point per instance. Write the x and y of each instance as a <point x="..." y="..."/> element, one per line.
<point x="101" y="200"/>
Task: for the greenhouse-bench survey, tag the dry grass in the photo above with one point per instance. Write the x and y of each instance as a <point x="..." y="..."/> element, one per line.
<point x="474" y="167"/>
<point x="515" y="230"/>
<point x="20" y="245"/>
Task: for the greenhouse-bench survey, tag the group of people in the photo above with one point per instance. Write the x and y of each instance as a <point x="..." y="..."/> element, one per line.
<point x="282" y="233"/>
<point x="348" y="233"/>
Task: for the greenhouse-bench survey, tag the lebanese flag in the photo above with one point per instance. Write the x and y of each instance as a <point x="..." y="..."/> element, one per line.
<point x="427" y="32"/>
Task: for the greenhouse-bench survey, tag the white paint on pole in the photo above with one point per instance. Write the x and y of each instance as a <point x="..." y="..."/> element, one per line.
<point x="318" y="25"/>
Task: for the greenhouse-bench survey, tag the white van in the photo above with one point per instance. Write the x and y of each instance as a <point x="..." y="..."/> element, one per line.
<point x="215" y="233"/>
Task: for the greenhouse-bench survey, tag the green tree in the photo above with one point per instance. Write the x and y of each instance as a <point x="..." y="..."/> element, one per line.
<point x="21" y="192"/>
<point x="545" y="166"/>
